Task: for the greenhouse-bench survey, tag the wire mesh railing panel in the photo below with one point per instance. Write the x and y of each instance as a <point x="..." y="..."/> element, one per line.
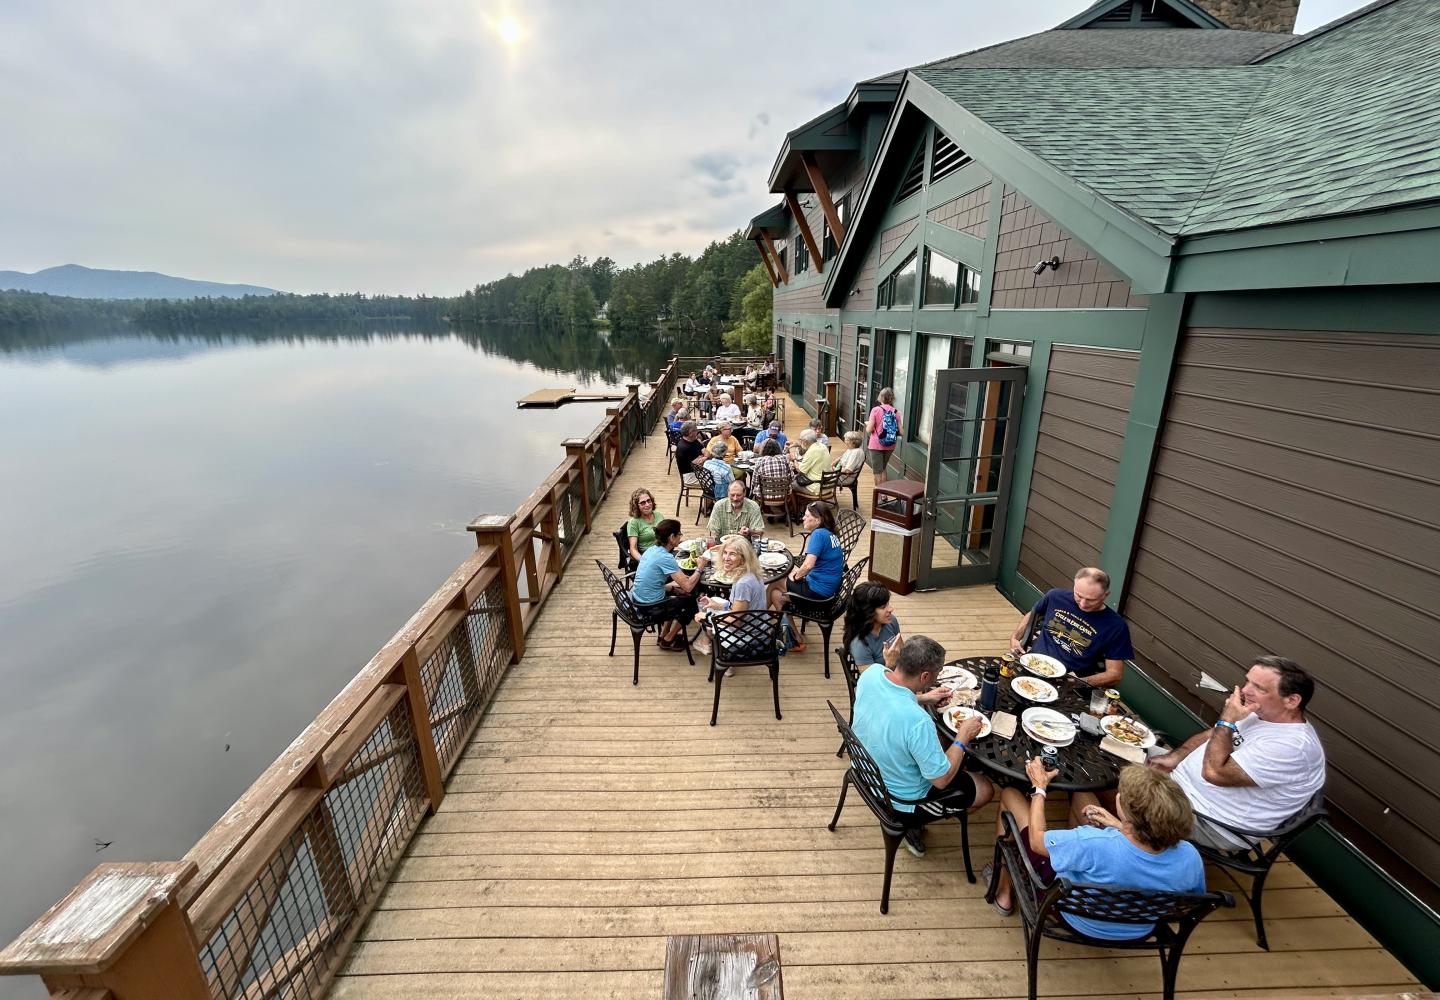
<point x="595" y="477"/>
<point x="461" y="673"/>
<point x="571" y="516"/>
<point x="283" y="937"/>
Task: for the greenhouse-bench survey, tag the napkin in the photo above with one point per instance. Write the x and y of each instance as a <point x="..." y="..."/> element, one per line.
<point x="1002" y="724"/>
<point x="1122" y="750"/>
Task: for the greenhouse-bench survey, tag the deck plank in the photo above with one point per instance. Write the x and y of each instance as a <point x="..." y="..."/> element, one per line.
<point x="588" y="820"/>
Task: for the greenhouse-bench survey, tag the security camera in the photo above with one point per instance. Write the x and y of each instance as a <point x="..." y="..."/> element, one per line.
<point x="1052" y="263"/>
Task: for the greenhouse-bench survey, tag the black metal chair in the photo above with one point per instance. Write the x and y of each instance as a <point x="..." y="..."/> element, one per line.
<point x="1259" y="859"/>
<point x="672" y="440"/>
<point x="742" y="639"/>
<point x="810" y="490"/>
<point x="864" y="774"/>
<point x="1042" y="918"/>
<point x="747" y="437"/>
<point x="703" y="488"/>
<point x="641" y="618"/>
<point x="849" y="528"/>
<point x="622" y="542"/>
<point x="849" y="481"/>
<point x="852" y="677"/>
<point x="772" y="493"/>
<point x="826" y="611"/>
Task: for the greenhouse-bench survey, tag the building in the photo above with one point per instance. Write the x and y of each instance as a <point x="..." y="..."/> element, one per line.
<point x="1209" y="252"/>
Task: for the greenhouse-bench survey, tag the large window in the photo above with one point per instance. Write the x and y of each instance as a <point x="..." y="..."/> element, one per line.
<point x="802" y="255"/>
<point x="900" y="369"/>
<point x="936" y="353"/>
<point x="898" y="290"/>
<point x="828" y="246"/>
<point x="948" y="282"/>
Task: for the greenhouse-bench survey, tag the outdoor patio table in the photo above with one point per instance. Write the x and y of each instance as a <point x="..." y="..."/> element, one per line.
<point x="1084" y="767"/>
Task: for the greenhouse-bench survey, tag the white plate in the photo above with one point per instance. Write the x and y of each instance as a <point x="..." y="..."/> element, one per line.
<point x="1045" y="725"/>
<point x="1043" y="666"/>
<point x="1033" y="689"/>
<point x="1109" y="722"/>
<point x="772" y="560"/>
<point x="956" y="678"/>
<point x="774" y="545"/>
<point x="956" y="714"/>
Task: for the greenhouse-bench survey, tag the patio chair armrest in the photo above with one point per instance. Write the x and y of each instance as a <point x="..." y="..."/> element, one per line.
<point x="1285" y="830"/>
<point x="1012" y="830"/>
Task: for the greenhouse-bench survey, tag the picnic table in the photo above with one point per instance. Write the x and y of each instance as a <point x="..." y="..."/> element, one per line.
<point x="1084" y="766"/>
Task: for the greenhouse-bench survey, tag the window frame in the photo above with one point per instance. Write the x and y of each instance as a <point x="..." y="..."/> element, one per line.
<point x="802" y="255"/>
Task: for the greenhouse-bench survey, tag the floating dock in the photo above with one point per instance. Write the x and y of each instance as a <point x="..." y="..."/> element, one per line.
<point x="552" y="398"/>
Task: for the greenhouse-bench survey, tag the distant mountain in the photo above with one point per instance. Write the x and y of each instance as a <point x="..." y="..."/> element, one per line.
<point x="92" y="283"/>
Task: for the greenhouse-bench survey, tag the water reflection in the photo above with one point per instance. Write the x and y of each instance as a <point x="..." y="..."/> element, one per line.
<point x="206" y="536"/>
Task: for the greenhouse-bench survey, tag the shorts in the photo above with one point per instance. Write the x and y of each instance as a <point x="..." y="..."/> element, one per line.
<point x="878" y="458"/>
<point x="1207" y="834"/>
<point x="942" y="803"/>
<point x="802" y="588"/>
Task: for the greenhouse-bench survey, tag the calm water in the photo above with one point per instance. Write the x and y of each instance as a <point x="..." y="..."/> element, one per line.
<point x="204" y="539"/>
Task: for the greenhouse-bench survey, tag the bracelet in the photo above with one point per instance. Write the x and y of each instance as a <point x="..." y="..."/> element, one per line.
<point x="962" y="745"/>
<point x="1227" y="725"/>
<point x="1039" y="791"/>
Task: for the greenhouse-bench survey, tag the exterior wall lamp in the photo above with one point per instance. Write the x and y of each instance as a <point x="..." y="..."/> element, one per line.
<point x="1053" y="264"/>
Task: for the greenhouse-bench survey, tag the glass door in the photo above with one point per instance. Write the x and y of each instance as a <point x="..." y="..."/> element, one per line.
<point x="967" y="475"/>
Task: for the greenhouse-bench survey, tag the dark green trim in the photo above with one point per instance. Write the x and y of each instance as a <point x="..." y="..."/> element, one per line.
<point x="1142" y="435"/>
<point x="1377" y="310"/>
<point x="992" y="245"/>
<point x="811" y="137"/>
<point x="1195" y="15"/>
<point x="1120" y="328"/>
<point x="1009" y="576"/>
<point x="1395" y="220"/>
<point x="1402" y="258"/>
<point x="968" y="250"/>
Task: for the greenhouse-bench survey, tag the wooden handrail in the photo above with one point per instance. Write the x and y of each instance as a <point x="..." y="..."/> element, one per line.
<point x="190" y="901"/>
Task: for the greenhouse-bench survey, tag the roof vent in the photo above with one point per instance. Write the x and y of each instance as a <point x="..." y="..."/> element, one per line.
<point x="945" y="157"/>
<point x="914" y="177"/>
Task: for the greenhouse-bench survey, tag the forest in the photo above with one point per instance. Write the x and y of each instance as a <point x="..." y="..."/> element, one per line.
<point x="722" y="292"/>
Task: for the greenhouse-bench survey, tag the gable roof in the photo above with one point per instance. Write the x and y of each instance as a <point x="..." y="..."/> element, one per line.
<point x="1061" y="48"/>
<point x="1344" y="121"/>
<point x="1105" y="13"/>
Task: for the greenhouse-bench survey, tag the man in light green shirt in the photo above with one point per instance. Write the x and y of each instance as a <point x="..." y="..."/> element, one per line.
<point x="737" y="515"/>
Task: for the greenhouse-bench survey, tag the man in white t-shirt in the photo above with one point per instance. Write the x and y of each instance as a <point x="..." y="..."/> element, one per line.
<point x="1260" y="763"/>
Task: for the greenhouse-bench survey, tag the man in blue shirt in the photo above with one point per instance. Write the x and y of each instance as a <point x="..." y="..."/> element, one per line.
<point x="892" y="723"/>
<point x="770" y="433"/>
<point x="1077" y="629"/>
<point x="719" y="469"/>
<point x="659" y="573"/>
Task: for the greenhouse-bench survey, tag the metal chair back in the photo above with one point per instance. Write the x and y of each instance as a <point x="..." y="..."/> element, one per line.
<point x="849" y="528"/>
<point x="865" y="776"/>
<point x="745" y="637"/>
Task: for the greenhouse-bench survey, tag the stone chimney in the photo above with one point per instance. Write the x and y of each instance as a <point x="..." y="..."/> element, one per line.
<point x="1254" y="15"/>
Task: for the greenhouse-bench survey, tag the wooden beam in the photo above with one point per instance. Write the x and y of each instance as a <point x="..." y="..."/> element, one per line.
<point x="799" y="214"/>
<point x="765" y="259"/>
<point x="779" y="264"/>
<point x="817" y="181"/>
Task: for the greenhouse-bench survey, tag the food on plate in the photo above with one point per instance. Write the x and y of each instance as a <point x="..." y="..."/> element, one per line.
<point x="957" y="714"/>
<point x="1127" y="731"/>
<point x="1045" y="666"/>
<point x="1052" y="730"/>
<point x="1029" y="687"/>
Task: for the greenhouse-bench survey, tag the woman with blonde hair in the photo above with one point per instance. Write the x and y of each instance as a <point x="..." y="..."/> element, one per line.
<point x="737" y="562"/>
<point x="1142" y="846"/>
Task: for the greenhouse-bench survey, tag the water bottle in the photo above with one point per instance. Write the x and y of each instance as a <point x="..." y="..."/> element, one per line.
<point x="989" y="688"/>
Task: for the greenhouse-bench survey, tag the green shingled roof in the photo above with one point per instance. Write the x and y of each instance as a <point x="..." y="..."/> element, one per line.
<point x="1344" y="121"/>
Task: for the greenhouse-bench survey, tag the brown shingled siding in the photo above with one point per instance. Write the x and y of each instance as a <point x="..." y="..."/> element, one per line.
<point x="895" y="235"/>
<point x="807" y="298"/>
<point x="863" y="292"/>
<point x="969" y="213"/>
<point x="1081" y="282"/>
<point x="1077" y="453"/>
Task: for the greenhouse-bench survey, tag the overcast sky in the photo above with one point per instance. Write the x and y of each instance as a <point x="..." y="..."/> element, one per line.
<point x="406" y="146"/>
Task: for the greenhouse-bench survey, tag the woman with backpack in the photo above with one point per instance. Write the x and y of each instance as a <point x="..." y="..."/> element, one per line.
<point x="885" y="431"/>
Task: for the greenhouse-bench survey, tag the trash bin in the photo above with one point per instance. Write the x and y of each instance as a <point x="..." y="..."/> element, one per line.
<point x="895" y="514"/>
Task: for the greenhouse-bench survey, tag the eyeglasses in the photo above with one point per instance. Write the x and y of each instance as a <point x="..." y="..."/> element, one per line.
<point x="644" y="501"/>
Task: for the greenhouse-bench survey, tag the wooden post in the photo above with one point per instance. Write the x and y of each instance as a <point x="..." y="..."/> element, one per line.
<point x="494" y="529"/>
<point x="822" y="191"/>
<point x="831" y="390"/>
<point x="555" y="564"/>
<point x="800" y="219"/>
<point x="121" y="930"/>
<point x="408" y="673"/>
<point x="575" y="449"/>
<point x="633" y="388"/>
<point x="779" y="264"/>
<point x="616" y="464"/>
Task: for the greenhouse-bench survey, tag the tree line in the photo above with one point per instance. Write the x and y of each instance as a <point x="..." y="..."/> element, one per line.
<point x="723" y="291"/>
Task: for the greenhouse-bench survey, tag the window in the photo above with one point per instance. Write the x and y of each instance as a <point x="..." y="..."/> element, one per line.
<point x="828" y="246"/>
<point x="862" y="379"/>
<point x="802" y="256"/>
<point x="900" y="368"/>
<point x="945" y="157"/>
<point x="826" y="372"/>
<point x="898" y="290"/>
<point x="948" y="282"/>
<point x="936" y="353"/>
<point x="1009" y="352"/>
<point x="941" y="276"/>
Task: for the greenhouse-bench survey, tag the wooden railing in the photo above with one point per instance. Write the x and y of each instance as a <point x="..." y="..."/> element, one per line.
<point x="267" y="903"/>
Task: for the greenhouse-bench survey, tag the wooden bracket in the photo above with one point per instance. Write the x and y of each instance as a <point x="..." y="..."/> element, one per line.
<point x="822" y="191"/>
<point x="765" y="259"/>
<point x="779" y="264"/>
<point x="809" y="237"/>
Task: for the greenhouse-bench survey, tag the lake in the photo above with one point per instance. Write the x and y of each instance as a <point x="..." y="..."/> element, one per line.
<point x="206" y="537"/>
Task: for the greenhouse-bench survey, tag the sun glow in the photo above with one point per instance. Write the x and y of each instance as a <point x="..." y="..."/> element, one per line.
<point x="510" y="30"/>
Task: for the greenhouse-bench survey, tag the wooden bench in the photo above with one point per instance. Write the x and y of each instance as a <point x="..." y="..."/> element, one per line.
<point x="723" y="967"/>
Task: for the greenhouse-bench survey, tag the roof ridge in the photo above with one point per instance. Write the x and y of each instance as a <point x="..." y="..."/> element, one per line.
<point x="1324" y="29"/>
<point x="957" y="55"/>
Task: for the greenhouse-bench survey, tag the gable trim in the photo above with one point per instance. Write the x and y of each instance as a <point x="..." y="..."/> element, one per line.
<point x="1197" y="16"/>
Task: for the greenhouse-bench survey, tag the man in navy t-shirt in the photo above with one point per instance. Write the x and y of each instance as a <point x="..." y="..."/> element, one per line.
<point x="1077" y="629"/>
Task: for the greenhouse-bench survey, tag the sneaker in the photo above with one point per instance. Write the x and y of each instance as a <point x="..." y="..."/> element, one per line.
<point x="799" y="647"/>
<point x="915" y="842"/>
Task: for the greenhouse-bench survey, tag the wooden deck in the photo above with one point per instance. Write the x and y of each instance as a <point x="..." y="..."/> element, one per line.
<point x="590" y="819"/>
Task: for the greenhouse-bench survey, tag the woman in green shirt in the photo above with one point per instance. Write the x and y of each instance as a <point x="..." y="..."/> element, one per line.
<point x="641" y="527"/>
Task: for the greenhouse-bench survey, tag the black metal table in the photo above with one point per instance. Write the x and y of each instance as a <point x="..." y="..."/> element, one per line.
<point x="715" y="588"/>
<point x="1084" y="767"/>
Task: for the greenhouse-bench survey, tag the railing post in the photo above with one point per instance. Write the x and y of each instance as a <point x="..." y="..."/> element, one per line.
<point x="831" y="390"/>
<point x="575" y="450"/>
<point x="410" y="674"/>
<point x="555" y="563"/>
<point x="494" y="529"/>
<point x="123" y="930"/>
<point x="616" y="461"/>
